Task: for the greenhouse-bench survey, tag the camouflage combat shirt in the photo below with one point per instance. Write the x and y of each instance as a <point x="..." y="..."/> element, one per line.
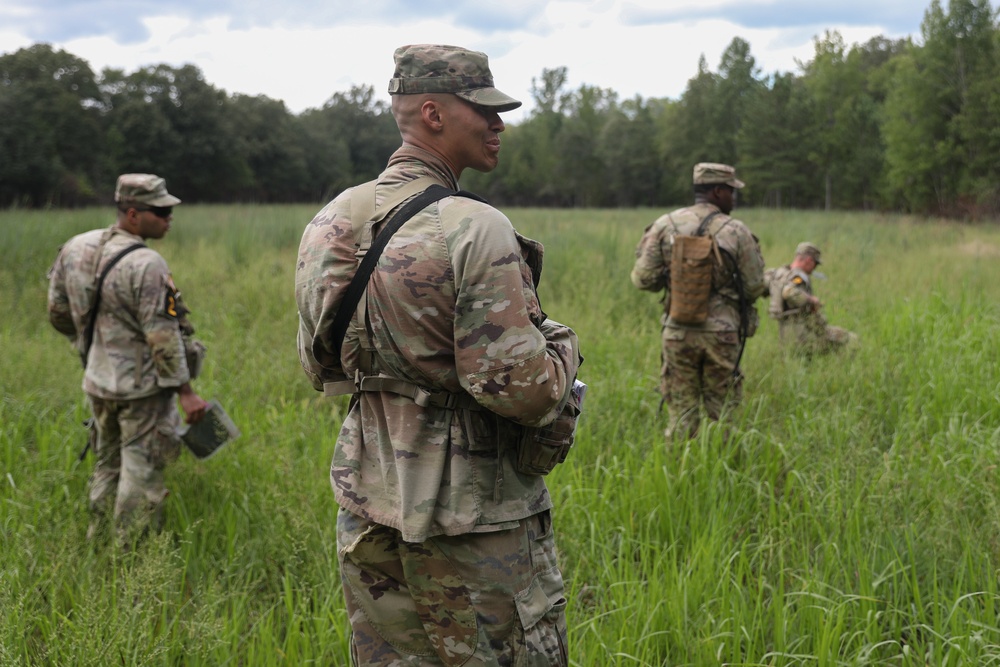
<point x="451" y="307"/>
<point x="137" y="348"/>
<point x="797" y="319"/>
<point x="651" y="270"/>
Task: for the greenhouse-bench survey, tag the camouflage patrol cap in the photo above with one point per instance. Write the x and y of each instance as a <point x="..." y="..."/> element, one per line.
<point x="147" y="189"/>
<point x="709" y="173"/>
<point x="439" y="68"/>
<point x="807" y="249"/>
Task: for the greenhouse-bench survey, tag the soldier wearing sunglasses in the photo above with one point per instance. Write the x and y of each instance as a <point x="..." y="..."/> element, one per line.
<point x="115" y="299"/>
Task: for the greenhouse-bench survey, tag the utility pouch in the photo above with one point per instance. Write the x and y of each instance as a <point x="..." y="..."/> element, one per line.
<point x="690" y="279"/>
<point x="194" y="353"/>
<point x="541" y="449"/>
<point x="91" y="425"/>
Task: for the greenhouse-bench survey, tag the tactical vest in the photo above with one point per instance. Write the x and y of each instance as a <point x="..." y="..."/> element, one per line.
<point x="538" y="450"/>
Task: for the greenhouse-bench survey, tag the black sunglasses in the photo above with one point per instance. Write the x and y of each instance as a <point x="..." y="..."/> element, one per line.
<point x="159" y="211"/>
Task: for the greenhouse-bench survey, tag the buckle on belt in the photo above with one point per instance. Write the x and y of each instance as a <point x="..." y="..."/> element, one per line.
<point x="427" y="399"/>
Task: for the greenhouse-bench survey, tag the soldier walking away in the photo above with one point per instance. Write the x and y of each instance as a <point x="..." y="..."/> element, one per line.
<point x="445" y="538"/>
<point x="801" y="324"/>
<point x="711" y="268"/>
<point x="115" y="299"/>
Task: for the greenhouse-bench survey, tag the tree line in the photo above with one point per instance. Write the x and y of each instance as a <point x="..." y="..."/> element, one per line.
<point x="885" y="125"/>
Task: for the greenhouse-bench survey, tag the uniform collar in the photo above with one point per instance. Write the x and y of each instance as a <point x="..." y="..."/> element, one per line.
<point x="410" y="153"/>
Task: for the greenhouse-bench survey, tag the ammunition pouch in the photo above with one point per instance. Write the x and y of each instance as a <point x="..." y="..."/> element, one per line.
<point x="194" y="354"/>
<point x="541" y="449"/>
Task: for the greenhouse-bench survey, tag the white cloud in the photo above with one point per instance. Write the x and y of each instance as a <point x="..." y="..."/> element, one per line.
<point x="305" y="66"/>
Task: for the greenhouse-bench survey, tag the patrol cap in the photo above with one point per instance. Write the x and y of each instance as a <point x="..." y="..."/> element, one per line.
<point x="809" y="250"/>
<point x="709" y="173"/>
<point x="147" y="189"/>
<point x="440" y="68"/>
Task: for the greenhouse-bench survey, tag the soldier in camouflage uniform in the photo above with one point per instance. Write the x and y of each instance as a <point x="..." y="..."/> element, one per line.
<point x="446" y="549"/>
<point x="700" y="361"/>
<point x="801" y="324"/>
<point x="141" y="355"/>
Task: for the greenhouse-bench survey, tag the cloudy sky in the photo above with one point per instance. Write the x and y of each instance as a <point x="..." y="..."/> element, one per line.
<point x="303" y="51"/>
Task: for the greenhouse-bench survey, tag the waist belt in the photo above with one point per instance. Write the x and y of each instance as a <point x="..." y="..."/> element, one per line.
<point x="419" y="395"/>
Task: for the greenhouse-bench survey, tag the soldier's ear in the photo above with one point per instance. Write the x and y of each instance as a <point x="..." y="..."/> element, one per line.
<point x="430" y="113"/>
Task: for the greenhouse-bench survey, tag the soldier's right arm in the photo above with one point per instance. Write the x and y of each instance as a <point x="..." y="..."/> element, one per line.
<point x="650" y="270"/>
<point x="60" y="313"/>
<point x="794" y="293"/>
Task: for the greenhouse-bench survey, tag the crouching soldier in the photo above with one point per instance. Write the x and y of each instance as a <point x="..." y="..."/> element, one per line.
<point x="801" y="323"/>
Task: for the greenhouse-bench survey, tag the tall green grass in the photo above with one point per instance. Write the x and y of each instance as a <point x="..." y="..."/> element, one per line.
<point x="849" y="517"/>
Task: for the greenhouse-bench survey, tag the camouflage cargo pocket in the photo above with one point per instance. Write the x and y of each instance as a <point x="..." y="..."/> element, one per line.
<point x="542" y="613"/>
<point x="164" y="446"/>
<point x="540" y="636"/>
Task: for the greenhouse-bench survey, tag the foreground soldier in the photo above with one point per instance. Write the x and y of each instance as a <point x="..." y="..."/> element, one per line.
<point x="709" y="312"/>
<point x="801" y="324"/>
<point x="137" y="354"/>
<point x="445" y="546"/>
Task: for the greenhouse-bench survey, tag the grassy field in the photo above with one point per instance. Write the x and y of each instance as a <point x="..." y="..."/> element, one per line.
<point x="853" y="520"/>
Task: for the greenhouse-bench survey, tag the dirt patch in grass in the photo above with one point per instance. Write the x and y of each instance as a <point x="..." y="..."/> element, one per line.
<point x="979" y="249"/>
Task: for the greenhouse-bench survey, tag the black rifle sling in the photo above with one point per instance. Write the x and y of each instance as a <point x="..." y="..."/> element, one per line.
<point x="738" y="283"/>
<point x="359" y="283"/>
<point x="744" y="326"/>
<point x="88" y="332"/>
<point x="704" y="223"/>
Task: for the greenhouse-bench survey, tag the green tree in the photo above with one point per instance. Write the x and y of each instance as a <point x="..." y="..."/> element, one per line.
<point x="774" y="144"/>
<point x="51" y="138"/>
<point x="171" y="122"/>
<point x="352" y="137"/>
<point x="941" y="144"/>
<point x="827" y="80"/>
<point x="737" y="85"/>
<point x="580" y="174"/>
<point x="274" y="146"/>
<point x="688" y="141"/>
<point x="629" y="158"/>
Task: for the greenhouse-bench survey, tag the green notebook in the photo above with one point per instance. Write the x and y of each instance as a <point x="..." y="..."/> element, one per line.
<point x="208" y="435"/>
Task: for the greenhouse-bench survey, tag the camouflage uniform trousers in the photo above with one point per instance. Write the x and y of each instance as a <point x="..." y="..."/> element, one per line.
<point x="698" y="372"/>
<point x="477" y="599"/>
<point x="135" y="441"/>
<point x="812" y="335"/>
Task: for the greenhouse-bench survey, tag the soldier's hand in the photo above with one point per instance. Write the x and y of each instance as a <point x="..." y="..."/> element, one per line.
<point x="192" y="404"/>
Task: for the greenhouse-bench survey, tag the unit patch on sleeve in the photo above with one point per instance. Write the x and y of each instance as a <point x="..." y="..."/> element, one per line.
<point x="170" y="299"/>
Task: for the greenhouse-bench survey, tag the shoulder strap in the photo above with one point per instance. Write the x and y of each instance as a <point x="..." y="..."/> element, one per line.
<point x="352" y="297"/>
<point x="704" y="223"/>
<point x="88" y="332"/>
<point x="365" y="212"/>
